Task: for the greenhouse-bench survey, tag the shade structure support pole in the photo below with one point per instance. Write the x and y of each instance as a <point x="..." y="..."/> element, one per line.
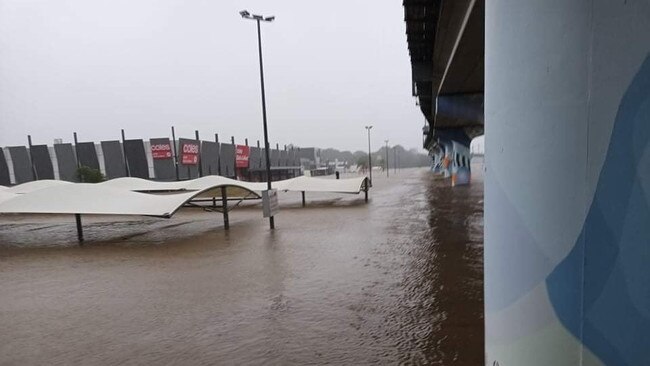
<point x="224" y="208"/>
<point x="365" y="191"/>
<point x="303" y="198"/>
<point x="80" y="230"/>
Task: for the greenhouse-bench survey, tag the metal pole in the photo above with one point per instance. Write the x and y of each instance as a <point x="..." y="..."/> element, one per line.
<point x="175" y="152"/>
<point x="76" y="152"/>
<point x="31" y="160"/>
<point x="224" y="208"/>
<point x="365" y="191"/>
<point x="266" y="133"/>
<point x="387" y="169"/>
<point x="369" y="156"/>
<point x="395" y="160"/>
<point x="198" y="141"/>
<point x="126" y="162"/>
<point x="80" y="230"/>
<point x="232" y="140"/>
<point x="303" y="198"/>
<point x="216" y="139"/>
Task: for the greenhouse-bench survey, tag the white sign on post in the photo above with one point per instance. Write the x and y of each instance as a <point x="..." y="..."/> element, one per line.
<point x="270" y="205"/>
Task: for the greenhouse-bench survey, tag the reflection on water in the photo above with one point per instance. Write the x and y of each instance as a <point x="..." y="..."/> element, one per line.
<point x="340" y="282"/>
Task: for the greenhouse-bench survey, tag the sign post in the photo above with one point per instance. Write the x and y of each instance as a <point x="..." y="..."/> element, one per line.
<point x="270" y="206"/>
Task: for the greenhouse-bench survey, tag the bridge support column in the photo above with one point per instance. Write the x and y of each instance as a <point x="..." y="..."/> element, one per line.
<point x="567" y="105"/>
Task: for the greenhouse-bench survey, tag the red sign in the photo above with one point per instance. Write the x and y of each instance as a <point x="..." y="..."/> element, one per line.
<point x="161" y="151"/>
<point x="242" y="152"/>
<point x="190" y="153"/>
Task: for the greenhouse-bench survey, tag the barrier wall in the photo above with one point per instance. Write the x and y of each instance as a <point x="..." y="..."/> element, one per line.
<point x="42" y="161"/>
<point x="567" y="108"/>
<point x="227" y="160"/>
<point x="5" y="177"/>
<point x="19" y="165"/>
<point x="210" y="157"/>
<point x="87" y="154"/>
<point x="163" y="164"/>
<point x="66" y="162"/>
<point x="136" y="158"/>
<point x="255" y="158"/>
<point x="113" y="159"/>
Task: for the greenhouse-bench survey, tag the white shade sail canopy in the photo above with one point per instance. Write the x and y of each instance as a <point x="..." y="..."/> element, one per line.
<point x="36" y="185"/>
<point x="4" y="195"/>
<point x="88" y="198"/>
<point x="299" y="184"/>
<point x="133" y="196"/>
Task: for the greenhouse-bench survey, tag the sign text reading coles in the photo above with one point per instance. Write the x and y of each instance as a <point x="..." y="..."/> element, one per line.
<point x="242" y="153"/>
<point x="161" y="151"/>
<point x="190" y="153"/>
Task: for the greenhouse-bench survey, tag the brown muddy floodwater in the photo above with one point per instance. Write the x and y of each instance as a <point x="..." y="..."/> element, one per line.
<point x="395" y="281"/>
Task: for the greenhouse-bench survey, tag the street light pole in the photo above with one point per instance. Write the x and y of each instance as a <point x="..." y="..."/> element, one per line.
<point x="386" y="141"/>
<point x="258" y="18"/>
<point x="369" y="156"/>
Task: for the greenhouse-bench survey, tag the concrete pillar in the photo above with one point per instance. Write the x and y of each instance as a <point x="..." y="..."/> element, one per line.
<point x="460" y="172"/>
<point x="567" y="115"/>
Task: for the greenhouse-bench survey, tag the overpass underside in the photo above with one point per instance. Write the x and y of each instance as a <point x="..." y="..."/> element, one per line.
<point x="567" y="177"/>
<point x="446" y="45"/>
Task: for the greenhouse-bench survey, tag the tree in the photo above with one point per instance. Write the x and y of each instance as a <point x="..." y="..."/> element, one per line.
<point x="362" y="161"/>
<point x="89" y="175"/>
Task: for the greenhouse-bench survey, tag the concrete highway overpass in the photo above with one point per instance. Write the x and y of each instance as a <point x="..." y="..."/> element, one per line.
<point x="446" y="46"/>
<point x="564" y="90"/>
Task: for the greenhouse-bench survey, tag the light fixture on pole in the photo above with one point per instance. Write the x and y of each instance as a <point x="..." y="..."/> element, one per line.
<point x="386" y="141"/>
<point x="369" y="158"/>
<point x="259" y="18"/>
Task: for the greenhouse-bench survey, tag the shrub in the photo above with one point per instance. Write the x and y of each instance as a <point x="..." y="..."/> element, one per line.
<point x="89" y="175"/>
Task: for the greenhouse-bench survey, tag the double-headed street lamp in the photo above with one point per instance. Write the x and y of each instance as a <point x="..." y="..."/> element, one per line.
<point x="259" y="18"/>
<point x="369" y="159"/>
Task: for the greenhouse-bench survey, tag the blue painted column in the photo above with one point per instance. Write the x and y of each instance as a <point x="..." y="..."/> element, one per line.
<point x="567" y="184"/>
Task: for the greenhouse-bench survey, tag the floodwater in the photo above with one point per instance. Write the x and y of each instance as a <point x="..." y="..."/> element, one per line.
<point x="395" y="281"/>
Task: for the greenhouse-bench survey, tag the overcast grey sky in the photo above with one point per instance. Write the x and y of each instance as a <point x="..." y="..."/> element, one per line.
<point x="95" y="66"/>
